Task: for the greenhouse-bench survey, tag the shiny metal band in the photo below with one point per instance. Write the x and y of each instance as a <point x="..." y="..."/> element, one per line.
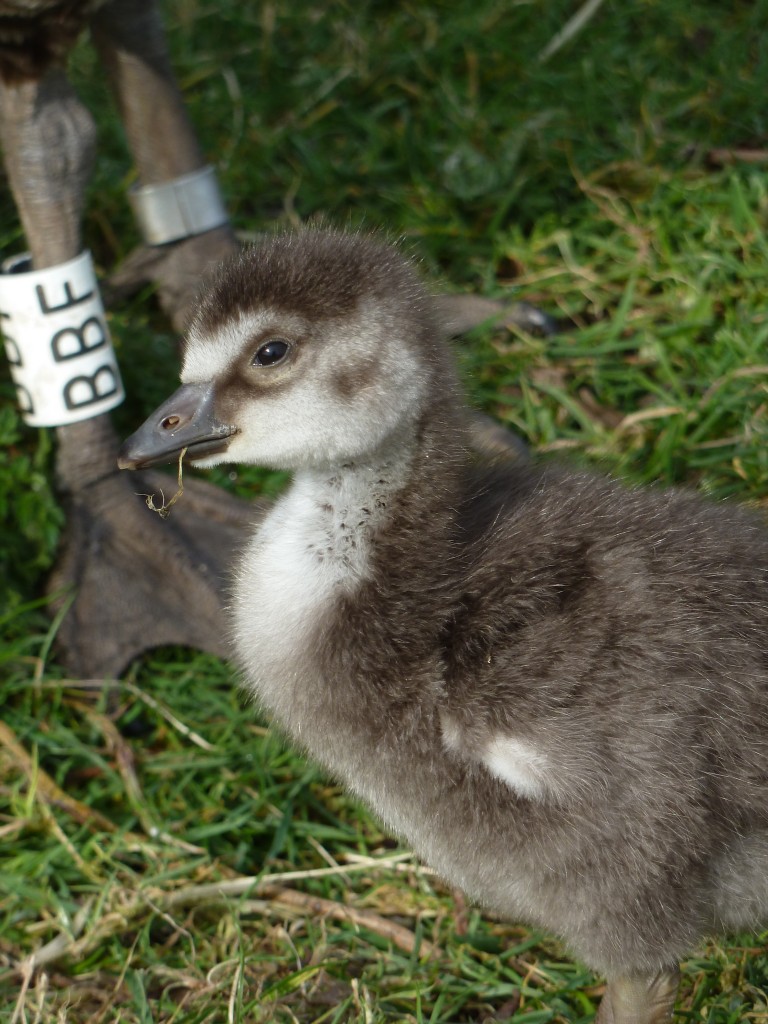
<point x="185" y="206"/>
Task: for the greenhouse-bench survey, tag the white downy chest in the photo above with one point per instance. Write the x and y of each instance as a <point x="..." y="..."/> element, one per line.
<point x="314" y="546"/>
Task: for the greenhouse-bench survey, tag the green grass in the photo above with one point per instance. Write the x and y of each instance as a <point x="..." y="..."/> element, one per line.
<point x="582" y="184"/>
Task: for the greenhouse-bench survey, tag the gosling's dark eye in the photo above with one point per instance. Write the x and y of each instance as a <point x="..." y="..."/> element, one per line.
<point x="271" y="352"/>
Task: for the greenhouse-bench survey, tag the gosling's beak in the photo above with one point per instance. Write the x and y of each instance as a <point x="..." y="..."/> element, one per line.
<point x="186" y="420"/>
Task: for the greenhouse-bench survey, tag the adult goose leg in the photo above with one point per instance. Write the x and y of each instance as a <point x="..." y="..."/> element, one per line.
<point x="131" y="42"/>
<point x="137" y="582"/>
<point x="646" y="999"/>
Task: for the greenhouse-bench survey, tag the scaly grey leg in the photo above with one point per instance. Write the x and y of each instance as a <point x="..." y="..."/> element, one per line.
<point x="48" y="141"/>
<point x="131" y="42"/>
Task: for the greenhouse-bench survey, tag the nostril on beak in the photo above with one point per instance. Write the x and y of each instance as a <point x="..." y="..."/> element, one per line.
<point x="170" y="422"/>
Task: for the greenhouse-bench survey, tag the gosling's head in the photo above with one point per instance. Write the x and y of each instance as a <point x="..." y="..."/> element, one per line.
<point x="307" y="349"/>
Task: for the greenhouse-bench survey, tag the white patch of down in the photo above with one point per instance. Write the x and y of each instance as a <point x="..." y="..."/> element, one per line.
<point x="283" y="585"/>
<point x="525" y="769"/>
<point x="314" y="545"/>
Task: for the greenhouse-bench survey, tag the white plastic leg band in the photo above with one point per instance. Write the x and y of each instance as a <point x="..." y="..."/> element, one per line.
<point x="57" y="341"/>
<point x="185" y="206"/>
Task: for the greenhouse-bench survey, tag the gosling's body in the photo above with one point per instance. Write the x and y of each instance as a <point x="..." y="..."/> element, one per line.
<point x="555" y="715"/>
<point x="553" y="687"/>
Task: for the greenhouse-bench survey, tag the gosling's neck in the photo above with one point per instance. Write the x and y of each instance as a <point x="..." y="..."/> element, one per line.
<point x="408" y="482"/>
<point x="369" y="533"/>
<point x="349" y="503"/>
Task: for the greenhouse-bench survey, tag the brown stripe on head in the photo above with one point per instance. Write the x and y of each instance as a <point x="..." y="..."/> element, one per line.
<point x="319" y="274"/>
